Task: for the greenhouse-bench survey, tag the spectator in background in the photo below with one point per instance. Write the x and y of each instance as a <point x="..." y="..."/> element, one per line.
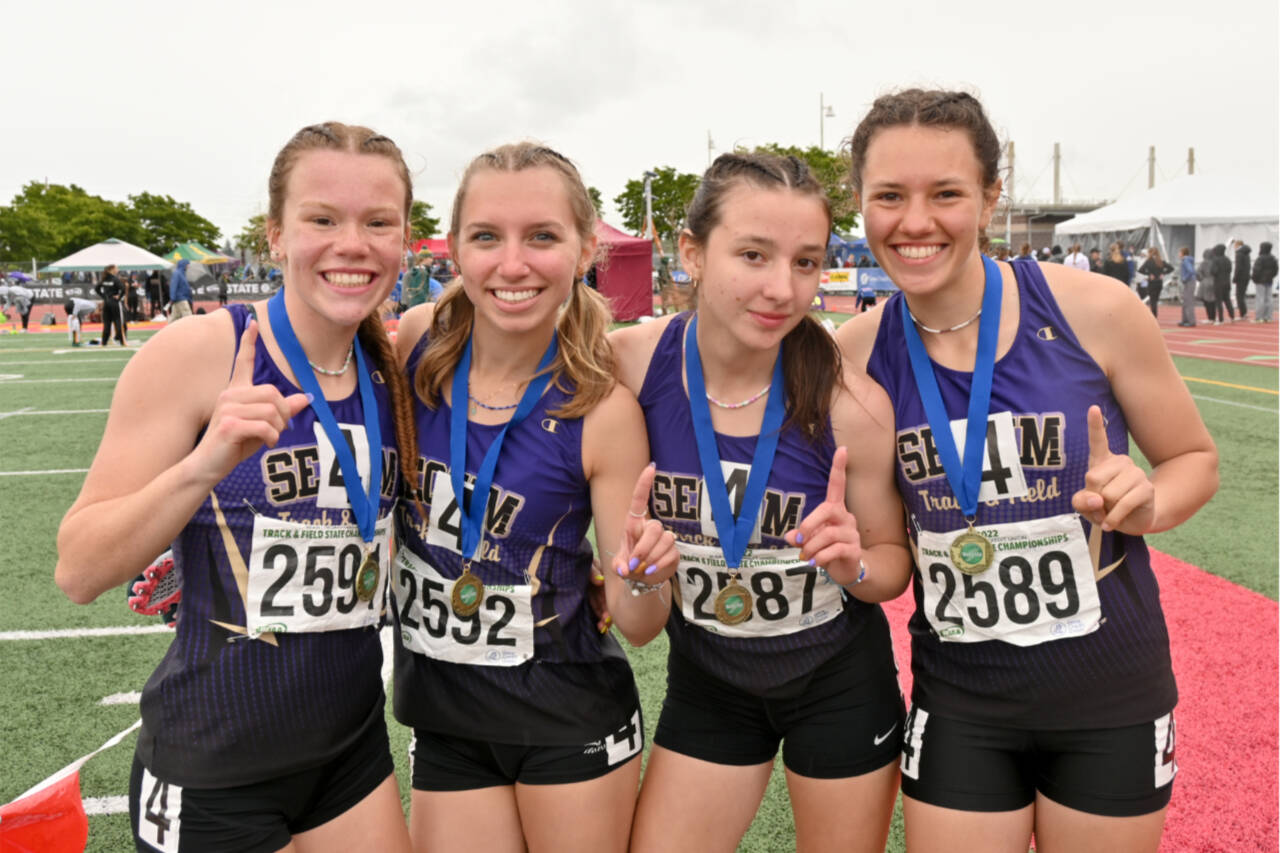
<point x="1055" y="255"/>
<point x="1128" y="253"/>
<point x="419" y="285"/>
<point x="1155" y="268"/>
<point x="131" y="298"/>
<point x="155" y="298"/>
<point x="78" y="310"/>
<point x="1076" y="259"/>
<point x="111" y="289"/>
<point x="1222" y="283"/>
<point x="222" y="287"/>
<point x="1264" y="277"/>
<point x="1205" y="289"/>
<point x="1115" y="265"/>
<point x="1187" y="278"/>
<point x="1024" y="253"/>
<point x="1095" y="260"/>
<point x="1241" y="278"/>
<point x="17" y="301"/>
<point x="179" y="292"/>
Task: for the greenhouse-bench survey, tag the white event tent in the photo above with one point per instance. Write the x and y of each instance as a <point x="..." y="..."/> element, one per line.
<point x="1198" y="211"/>
<point x="124" y="255"/>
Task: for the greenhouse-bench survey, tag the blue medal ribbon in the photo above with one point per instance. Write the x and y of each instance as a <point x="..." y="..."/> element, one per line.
<point x="966" y="480"/>
<point x="472" y="509"/>
<point x="734" y="532"/>
<point x="364" y="507"/>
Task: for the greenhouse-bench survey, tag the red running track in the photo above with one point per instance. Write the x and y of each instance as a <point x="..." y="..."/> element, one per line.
<point x="1223" y="639"/>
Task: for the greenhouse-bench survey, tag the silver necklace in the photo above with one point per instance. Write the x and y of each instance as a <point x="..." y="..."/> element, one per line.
<point x="345" y="365"/>
<point x="747" y="402"/>
<point x="955" y="328"/>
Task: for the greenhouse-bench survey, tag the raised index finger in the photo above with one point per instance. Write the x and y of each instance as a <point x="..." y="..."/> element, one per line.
<point x="242" y="370"/>
<point x="640" y="496"/>
<point x="1099" y="448"/>
<point x="835" y="483"/>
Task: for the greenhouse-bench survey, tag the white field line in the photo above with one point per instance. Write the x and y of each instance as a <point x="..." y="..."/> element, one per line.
<point x="4" y="381"/>
<point x="1234" y="403"/>
<point x="28" y="411"/>
<point x="43" y="473"/>
<point x="63" y="361"/>
<point x="79" y="762"/>
<point x="76" y="633"/>
<point x="105" y="805"/>
<point x="132" y="697"/>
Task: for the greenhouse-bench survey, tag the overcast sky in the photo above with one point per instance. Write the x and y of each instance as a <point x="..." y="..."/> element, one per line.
<point x="130" y="96"/>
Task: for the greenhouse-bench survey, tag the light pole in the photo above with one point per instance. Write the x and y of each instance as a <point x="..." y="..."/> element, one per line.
<point x="648" y="206"/>
<point x="825" y="111"/>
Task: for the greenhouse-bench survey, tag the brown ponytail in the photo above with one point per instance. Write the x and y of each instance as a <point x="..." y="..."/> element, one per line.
<point x="373" y="337"/>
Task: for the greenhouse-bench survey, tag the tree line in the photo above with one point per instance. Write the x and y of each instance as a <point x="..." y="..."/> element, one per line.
<point x="48" y="221"/>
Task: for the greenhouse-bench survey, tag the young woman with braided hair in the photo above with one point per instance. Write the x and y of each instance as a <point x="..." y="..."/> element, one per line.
<point x="261" y="442"/>
<point x="774" y="474"/>
<point x="1043" y="694"/>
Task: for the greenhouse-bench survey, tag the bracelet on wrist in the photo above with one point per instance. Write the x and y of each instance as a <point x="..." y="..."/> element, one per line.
<point x="642" y="588"/>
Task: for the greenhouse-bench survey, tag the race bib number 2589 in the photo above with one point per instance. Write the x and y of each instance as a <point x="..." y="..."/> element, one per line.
<point x="1040" y="587"/>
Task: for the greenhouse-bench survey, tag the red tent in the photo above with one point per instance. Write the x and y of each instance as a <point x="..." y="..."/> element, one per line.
<point x="625" y="278"/>
<point x="439" y="248"/>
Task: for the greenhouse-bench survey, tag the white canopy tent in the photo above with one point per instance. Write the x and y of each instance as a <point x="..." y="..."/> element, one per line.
<point x="1197" y="211"/>
<point x="124" y="255"/>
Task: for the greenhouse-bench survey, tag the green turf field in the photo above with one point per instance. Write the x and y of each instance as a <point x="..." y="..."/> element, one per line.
<point x="52" y="416"/>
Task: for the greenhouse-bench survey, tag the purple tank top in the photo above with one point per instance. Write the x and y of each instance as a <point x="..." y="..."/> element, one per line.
<point x="1120" y="673"/>
<point x="560" y="682"/>
<point x="223" y="709"/>
<point x="765" y="663"/>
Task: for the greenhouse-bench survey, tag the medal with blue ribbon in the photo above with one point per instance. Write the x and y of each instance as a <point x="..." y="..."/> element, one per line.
<point x="734" y="603"/>
<point x="363" y="506"/>
<point x="971" y="552"/>
<point x="468" y="589"/>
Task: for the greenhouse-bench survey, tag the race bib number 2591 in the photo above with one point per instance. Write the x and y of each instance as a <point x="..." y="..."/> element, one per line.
<point x="302" y="577"/>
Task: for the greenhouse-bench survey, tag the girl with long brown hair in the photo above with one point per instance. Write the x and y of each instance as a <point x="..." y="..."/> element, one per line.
<point x="1043" y="694"/>
<point x="773" y="472"/>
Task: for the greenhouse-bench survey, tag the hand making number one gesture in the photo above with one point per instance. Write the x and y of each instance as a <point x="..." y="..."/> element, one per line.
<point x="245" y="416"/>
<point x="828" y="536"/>
<point x="1117" y="494"/>
<point x="647" y="552"/>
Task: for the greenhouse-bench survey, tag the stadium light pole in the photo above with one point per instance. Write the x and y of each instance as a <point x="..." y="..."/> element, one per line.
<point x="825" y="111"/>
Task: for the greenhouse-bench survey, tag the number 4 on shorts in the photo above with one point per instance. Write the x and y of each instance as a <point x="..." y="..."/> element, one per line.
<point x="159" y="813"/>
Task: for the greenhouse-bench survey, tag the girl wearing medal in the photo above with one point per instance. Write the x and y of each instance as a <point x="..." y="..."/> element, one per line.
<point x="1043" y="694"/>
<point x="527" y="730"/>
<point x="261" y="441"/>
<point x="773" y="473"/>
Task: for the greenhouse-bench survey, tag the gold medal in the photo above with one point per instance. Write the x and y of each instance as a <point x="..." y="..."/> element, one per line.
<point x="971" y="552"/>
<point x="468" y="593"/>
<point x="367" y="576"/>
<point x="733" y="604"/>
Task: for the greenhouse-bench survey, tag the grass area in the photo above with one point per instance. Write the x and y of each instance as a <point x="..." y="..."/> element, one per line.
<point x="50" y="690"/>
